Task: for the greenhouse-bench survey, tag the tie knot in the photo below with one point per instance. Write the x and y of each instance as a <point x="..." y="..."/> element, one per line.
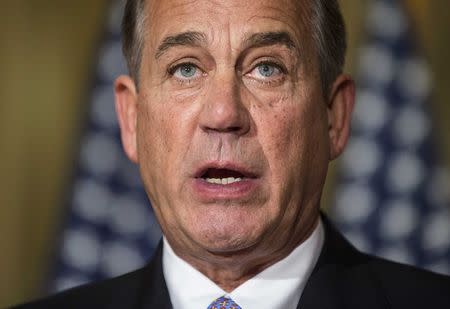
<point x="224" y="303"/>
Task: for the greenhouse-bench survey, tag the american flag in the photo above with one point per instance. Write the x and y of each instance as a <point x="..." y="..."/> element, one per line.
<point x="109" y="227"/>
<point x="392" y="197"/>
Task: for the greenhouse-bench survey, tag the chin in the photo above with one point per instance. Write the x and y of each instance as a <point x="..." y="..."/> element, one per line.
<point x="224" y="227"/>
<point x="227" y="238"/>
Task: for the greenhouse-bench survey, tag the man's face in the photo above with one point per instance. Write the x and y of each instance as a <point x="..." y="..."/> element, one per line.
<point x="232" y="133"/>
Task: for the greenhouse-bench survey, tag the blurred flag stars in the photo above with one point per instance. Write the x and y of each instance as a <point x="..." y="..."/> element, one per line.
<point x="392" y="197"/>
<point x="109" y="227"/>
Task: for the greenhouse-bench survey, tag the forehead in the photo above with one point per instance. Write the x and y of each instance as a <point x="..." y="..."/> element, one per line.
<point x="234" y="18"/>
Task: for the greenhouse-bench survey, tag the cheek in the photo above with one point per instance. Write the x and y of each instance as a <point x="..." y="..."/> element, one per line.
<point x="165" y="128"/>
<point x="294" y="136"/>
<point x="155" y="125"/>
<point x="154" y="144"/>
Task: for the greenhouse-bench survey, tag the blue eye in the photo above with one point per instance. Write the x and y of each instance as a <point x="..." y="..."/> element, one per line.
<point x="187" y="70"/>
<point x="186" y="73"/>
<point x="268" y="73"/>
<point x="266" y="69"/>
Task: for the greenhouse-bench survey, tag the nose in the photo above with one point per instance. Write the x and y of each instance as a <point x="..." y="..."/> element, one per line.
<point x="223" y="110"/>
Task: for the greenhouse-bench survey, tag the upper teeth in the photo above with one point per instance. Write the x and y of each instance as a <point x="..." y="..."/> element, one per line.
<point x="223" y="181"/>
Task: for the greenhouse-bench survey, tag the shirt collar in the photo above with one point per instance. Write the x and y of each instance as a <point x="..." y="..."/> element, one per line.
<point x="277" y="287"/>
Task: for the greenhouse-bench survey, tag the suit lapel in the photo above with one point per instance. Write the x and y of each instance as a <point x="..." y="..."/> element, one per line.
<point x="341" y="277"/>
<point x="153" y="291"/>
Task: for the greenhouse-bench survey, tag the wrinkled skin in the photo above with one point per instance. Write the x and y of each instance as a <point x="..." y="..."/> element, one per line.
<point x="226" y="102"/>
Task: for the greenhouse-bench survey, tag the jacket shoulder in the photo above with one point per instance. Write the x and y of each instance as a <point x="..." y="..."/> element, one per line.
<point x="119" y="292"/>
<point x="142" y="288"/>
<point x="410" y="287"/>
<point x="353" y="279"/>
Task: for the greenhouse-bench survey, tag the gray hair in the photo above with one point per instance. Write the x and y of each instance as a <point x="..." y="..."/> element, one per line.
<point x="133" y="34"/>
<point x="326" y="22"/>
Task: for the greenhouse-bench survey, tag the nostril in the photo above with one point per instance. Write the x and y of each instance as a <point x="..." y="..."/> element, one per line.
<point x="233" y="129"/>
<point x="224" y="115"/>
<point x="230" y="129"/>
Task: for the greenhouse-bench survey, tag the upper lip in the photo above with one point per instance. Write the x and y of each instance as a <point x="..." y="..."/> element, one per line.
<point x="200" y="171"/>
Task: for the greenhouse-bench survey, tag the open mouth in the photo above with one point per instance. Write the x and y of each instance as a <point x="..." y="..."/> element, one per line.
<point x="223" y="176"/>
<point x="216" y="181"/>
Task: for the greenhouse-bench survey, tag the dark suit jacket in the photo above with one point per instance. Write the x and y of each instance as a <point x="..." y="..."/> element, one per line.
<point x="342" y="278"/>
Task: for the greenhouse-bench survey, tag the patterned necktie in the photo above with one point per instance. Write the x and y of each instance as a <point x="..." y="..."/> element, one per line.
<point x="224" y="303"/>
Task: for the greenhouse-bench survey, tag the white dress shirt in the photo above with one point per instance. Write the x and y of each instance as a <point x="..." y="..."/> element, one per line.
<point x="277" y="287"/>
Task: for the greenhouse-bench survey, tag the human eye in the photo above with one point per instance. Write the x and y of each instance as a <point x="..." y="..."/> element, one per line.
<point x="185" y="72"/>
<point x="267" y="72"/>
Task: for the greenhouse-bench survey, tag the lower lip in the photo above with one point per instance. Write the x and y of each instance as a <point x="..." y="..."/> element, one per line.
<point x="234" y="191"/>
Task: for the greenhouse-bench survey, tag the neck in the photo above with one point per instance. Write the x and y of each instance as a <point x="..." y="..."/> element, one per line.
<point x="230" y="270"/>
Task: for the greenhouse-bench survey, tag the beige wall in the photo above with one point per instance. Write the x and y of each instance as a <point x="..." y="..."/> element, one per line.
<point x="46" y="48"/>
<point x="45" y="59"/>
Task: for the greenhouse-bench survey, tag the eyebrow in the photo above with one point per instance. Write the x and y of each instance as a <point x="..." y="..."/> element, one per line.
<point x="189" y="38"/>
<point x="194" y="38"/>
<point x="262" y="39"/>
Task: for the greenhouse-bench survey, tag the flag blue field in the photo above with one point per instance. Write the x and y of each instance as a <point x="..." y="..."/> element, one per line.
<point x="392" y="196"/>
<point x="109" y="227"/>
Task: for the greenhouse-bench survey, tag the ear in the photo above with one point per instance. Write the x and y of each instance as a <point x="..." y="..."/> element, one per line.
<point x="126" y="108"/>
<point x="340" y="108"/>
